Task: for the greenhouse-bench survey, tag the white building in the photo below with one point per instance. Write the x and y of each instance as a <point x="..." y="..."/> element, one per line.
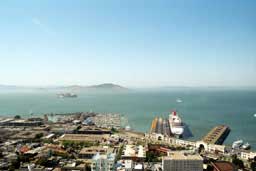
<point x="246" y="155"/>
<point x="103" y="162"/>
<point x="181" y="161"/>
<point x="133" y="152"/>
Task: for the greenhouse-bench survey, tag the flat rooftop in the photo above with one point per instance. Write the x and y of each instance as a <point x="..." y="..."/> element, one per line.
<point x="83" y="137"/>
<point x="94" y="149"/>
<point x="133" y="150"/>
<point x="223" y="166"/>
<point x="90" y="128"/>
<point x="178" y="155"/>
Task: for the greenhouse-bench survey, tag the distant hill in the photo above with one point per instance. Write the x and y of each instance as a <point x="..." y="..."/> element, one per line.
<point x="105" y="86"/>
<point x="11" y="87"/>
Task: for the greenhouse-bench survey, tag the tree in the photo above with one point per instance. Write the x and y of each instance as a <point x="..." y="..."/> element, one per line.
<point x="151" y="156"/>
<point x="209" y="168"/>
<point x="15" y="164"/>
<point x="114" y="130"/>
<point x="42" y="161"/>
<point x="17" y="117"/>
<point x="1" y="153"/>
<point x="253" y="164"/>
<point x="239" y="163"/>
<point x="23" y="158"/>
<point x="39" y="135"/>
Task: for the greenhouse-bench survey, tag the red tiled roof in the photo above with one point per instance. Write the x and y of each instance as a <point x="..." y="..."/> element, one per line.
<point x="223" y="166"/>
<point x="24" y="149"/>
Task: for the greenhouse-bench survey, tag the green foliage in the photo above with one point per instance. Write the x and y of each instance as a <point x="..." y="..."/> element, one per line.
<point x="23" y="158"/>
<point x="63" y="155"/>
<point x="15" y="164"/>
<point x="78" y="145"/>
<point x="11" y="168"/>
<point x="209" y="168"/>
<point x="151" y="157"/>
<point x="118" y="156"/>
<point x="1" y="154"/>
<point x="113" y="130"/>
<point x="39" y="135"/>
<point x="239" y="163"/>
<point x="48" y="141"/>
<point x="17" y="117"/>
<point x="253" y="166"/>
<point x="42" y="161"/>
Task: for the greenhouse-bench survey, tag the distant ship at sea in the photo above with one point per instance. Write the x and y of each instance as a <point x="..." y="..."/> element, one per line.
<point x="67" y="95"/>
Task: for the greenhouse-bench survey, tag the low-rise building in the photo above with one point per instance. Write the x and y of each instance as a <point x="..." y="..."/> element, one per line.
<point x="93" y="130"/>
<point x="83" y="138"/>
<point x="74" y="167"/>
<point x="63" y="129"/>
<point x="182" y="161"/>
<point x="246" y="155"/>
<point x="23" y="122"/>
<point x="89" y="152"/>
<point x="134" y="152"/>
<point x="223" y="166"/>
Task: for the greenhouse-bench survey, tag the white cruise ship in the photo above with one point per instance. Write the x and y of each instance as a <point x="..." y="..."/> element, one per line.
<point x="176" y="125"/>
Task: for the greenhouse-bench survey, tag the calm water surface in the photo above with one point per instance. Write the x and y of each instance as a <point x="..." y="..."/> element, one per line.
<point x="200" y="109"/>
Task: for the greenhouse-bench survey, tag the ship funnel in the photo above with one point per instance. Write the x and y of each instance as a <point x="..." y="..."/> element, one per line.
<point x="174" y="113"/>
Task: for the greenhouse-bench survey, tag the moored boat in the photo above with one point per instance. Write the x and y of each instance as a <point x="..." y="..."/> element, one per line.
<point x="246" y="146"/>
<point x="176" y="125"/>
<point x="237" y="144"/>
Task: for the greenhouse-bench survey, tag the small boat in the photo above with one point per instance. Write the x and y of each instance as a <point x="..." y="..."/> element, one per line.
<point x="179" y="101"/>
<point x="128" y="128"/>
<point x="237" y="144"/>
<point x="68" y="95"/>
<point x="246" y="146"/>
<point x="254" y="115"/>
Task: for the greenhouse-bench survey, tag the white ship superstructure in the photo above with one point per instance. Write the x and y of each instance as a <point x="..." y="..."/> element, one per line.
<point x="176" y="125"/>
<point x="237" y="144"/>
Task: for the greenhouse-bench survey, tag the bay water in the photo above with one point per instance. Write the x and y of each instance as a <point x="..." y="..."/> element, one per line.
<point x="201" y="108"/>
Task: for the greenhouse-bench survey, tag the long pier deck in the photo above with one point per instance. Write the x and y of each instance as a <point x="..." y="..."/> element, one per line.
<point x="160" y="126"/>
<point x="217" y="135"/>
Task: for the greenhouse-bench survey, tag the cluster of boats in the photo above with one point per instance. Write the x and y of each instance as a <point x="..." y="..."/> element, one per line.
<point x="239" y="144"/>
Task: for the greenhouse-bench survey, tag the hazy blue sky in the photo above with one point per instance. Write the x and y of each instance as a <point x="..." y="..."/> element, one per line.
<point x="129" y="42"/>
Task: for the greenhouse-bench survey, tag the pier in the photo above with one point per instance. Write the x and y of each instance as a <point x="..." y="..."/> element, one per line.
<point x="160" y="126"/>
<point x="217" y="135"/>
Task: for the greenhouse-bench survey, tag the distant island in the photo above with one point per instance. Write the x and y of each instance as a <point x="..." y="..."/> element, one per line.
<point x="99" y="86"/>
<point x="104" y="86"/>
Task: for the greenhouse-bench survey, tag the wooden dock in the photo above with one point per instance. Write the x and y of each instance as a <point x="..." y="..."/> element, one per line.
<point x="217" y="135"/>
